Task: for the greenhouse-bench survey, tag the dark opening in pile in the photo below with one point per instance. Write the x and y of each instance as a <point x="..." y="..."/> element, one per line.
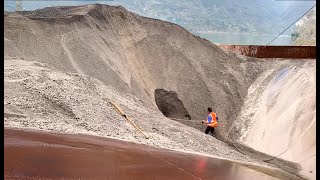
<point x="170" y="105"/>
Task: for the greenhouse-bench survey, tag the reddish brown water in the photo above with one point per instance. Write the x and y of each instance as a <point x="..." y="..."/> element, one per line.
<point x="34" y="155"/>
<point x="290" y="52"/>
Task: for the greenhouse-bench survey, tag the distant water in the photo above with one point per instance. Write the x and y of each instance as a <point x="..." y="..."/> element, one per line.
<point x="245" y="38"/>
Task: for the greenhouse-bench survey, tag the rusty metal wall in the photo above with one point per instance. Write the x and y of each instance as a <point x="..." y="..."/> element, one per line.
<point x="293" y="52"/>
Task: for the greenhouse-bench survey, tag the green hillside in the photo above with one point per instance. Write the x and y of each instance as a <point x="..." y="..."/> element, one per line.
<point x="254" y="16"/>
<point x="305" y="30"/>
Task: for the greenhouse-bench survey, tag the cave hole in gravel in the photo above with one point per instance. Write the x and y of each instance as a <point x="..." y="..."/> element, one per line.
<point x="170" y="105"/>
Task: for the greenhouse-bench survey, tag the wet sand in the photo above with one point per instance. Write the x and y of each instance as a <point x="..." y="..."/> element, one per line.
<point x="39" y="155"/>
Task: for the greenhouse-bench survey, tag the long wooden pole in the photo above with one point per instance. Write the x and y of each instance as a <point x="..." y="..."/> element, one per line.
<point x="125" y="116"/>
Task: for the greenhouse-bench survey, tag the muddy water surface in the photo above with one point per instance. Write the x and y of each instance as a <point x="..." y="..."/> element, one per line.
<point x="55" y="156"/>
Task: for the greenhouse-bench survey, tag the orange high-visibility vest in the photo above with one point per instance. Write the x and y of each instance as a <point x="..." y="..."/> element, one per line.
<point x="213" y="122"/>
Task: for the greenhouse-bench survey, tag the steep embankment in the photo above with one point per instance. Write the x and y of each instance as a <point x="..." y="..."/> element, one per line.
<point x="279" y="114"/>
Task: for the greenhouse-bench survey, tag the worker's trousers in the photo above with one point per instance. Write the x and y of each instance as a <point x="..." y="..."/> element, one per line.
<point x="209" y="129"/>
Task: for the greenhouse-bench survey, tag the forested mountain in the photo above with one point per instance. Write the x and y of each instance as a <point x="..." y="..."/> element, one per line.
<point x="249" y="16"/>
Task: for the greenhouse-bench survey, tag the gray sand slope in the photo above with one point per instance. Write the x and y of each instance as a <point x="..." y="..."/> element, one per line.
<point x="63" y="65"/>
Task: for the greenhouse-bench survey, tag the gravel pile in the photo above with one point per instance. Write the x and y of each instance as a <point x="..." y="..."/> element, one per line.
<point x="39" y="98"/>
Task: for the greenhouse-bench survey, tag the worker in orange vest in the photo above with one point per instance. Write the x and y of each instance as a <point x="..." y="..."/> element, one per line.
<point x="211" y="121"/>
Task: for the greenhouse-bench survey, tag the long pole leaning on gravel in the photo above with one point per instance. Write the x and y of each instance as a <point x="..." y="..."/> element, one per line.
<point x="125" y="116"/>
